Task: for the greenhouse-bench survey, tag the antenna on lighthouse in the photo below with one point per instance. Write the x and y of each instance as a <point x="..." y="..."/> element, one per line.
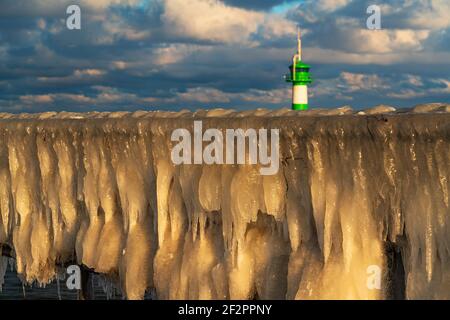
<point x="299" y="44"/>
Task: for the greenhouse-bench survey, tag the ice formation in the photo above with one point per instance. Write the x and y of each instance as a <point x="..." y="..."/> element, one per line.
<point x="354" y="190"/>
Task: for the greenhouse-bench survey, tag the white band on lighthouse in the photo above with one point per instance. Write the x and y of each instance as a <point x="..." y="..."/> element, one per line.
<point x="300" y="94"/>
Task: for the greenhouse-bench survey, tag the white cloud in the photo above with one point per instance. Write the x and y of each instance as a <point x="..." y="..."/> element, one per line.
<point x="444" y="86"/>
<point x="101" y="4"/>
<point x="414" y="80"/>
<point x="212" y="95"/>
<point x="276" y="26"/>
<point x="352" y="82"/>
<point x="314" y="10"/>
<point x="213" y="20"/>
<point x="50" y="98"/>
<point x="330" y="56"/>
<point x="274" y="96"/>
<point x="430" y="14"/>
<point x="386" y="41"/>
<point x="406" y="87"/>
<point x="77" y="75"/>
<point x="88" y="72"/>
<point x="407" y="94"/>
<point x="204" y="95"/>
<point x="42" y="24"/>
<point x="119" y="65"/>
<point x="174" y="53"/>
<point x="347" y="34"/>
<point x="113" y="95"/>
<point x="117" y="28"/>
<point x="79" y="98"/>
<point x="348" y="83"/>
<point x="31" y="99"/>
<point x="109" y="95"/>
<point x="331" y="5"/>
<point x="210" y="20"/>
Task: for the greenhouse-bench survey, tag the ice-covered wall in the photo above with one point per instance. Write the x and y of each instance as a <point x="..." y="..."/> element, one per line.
<point x="354" y="190"/>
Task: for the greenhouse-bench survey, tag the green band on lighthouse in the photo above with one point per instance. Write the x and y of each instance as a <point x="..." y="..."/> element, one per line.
<point x="299" y="107"/>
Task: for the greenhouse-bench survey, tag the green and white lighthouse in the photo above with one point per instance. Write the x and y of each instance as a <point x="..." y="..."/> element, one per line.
<point x="300" y="79"/>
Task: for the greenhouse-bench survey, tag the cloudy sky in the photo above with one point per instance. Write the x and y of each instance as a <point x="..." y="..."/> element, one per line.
<point x="175" y="54"/>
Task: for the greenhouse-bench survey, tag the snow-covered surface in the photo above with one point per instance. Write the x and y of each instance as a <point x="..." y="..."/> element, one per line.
<point x="100" y="188"/>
